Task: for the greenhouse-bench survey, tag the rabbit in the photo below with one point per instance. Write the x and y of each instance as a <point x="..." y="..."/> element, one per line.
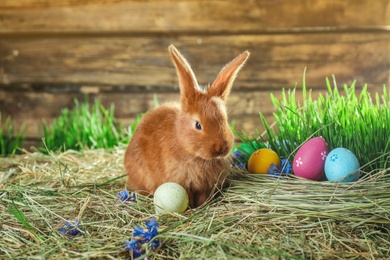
<point x="187" y="142"/>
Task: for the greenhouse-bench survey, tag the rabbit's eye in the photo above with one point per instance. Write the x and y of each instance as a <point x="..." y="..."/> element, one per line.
<point x="198" y="126"/>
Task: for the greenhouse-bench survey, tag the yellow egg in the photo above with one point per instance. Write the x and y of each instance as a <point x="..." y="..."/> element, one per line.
<point x="261" y="160"/>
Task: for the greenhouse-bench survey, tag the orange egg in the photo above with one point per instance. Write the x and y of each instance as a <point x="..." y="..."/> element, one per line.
<point x="261" y="160"/>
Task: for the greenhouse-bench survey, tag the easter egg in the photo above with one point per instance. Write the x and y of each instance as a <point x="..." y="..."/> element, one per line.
<point x="309" y="160"/>
<point x="342" y="165"/>
<point x="170" y="197"/>
<point x="261" y="160"/>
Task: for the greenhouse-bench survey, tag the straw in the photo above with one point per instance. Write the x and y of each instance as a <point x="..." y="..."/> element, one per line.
<point x="254" y="217"/>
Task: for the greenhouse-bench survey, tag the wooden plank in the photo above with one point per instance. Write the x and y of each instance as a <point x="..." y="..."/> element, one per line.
<point x="276" y="60"/>
<point x="155" y="16"/>
<point x="32" y="107"/>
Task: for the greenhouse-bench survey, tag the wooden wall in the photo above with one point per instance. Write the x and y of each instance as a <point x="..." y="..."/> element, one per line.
<point x="54" y="51"/>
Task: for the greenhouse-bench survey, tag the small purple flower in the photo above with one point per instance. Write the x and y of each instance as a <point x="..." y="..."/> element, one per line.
<point x="70" y="229"/>
<point x="285" y="168"/>
<point x="142" y="236"/>
<point x="127" y="196"/>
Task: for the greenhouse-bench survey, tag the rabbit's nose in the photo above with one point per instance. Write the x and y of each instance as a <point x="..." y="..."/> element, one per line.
<point x="221" y="148"/>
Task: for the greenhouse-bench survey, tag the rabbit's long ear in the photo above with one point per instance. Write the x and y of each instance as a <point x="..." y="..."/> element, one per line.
<point x="187" y="81"/>
<point x="223" y="83"/>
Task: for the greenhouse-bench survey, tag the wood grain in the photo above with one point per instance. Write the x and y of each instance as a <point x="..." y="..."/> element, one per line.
<point x="275" y="61"/>
<point x="155" y="16"/>
<point x="54" y="51"/>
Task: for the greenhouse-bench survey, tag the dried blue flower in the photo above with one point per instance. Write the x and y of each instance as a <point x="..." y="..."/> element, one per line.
<point x="127" y="196"/>
<point x="149" y="234"/>
<point x="239" y="159"/>
<point x="133" y="245"/>
<point x="142" y="236"/>
<point x="70" y="229"/>
<point x="138" y="232"/>
<point x="152" y="224"/>
<point x="152" y="232"/>
<point x="285" y="168"/>
<point x="237" y="154"/>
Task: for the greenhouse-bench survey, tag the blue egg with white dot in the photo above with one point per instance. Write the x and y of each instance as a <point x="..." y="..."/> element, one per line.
<point x="342" y="165"/>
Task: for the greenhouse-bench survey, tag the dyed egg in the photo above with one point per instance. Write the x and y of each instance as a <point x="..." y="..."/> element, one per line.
<point x="170" y="197"/>
<point x="342" y="165"/>
<point x="261" y="160"/>
<point x="309" y="161"/>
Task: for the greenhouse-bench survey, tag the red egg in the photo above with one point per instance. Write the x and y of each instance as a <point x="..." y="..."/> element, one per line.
<point x="309" y="161"/>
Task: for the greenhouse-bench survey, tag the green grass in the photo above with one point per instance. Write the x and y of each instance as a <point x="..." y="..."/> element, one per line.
<point x="84" y="126"/>
<point x="360" y="123"/>
<point x="19" y="215"/>
<point x="10" y="139"/>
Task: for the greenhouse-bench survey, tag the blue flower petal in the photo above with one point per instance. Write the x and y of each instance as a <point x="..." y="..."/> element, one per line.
<point x="132" y="197"/>
<point x="138" y="231"/>
<point x="127" y="196"/>
<point x="142" y="236"/>
<point x="71" y="229"/>
<point x="123" y="195"/>
<point x="73" y="232"/>
<point x="68" y="225"/>
<point x="239" y="159"/>
<point x="131" y="245"/>
<point x="152" y="226"/>
<point x="155" y="243"/>
<point x="134" y="246"/>
<point x="237" y="154"/>
<point x="285" y="168"/>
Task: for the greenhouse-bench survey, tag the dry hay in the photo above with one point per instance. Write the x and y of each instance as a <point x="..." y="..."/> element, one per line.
<point x="256" y="217"/>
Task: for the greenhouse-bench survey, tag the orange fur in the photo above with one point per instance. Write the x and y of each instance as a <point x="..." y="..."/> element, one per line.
<point x="167" y="147"/>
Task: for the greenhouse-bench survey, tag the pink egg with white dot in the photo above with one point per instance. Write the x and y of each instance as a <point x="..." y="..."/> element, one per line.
<point x="310" y="159"/>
